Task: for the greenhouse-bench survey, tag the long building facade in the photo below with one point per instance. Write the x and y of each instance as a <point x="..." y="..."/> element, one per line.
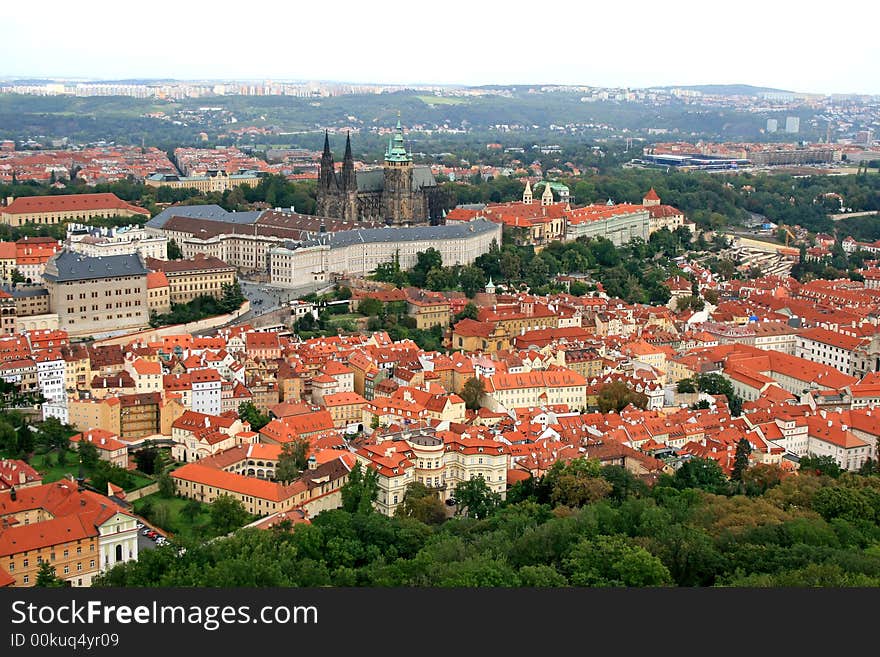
<point x="359" y="252"/>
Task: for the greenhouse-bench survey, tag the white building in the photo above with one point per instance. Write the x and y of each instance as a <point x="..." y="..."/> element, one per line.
<point x="51" y="374"/>
<point x="102" y="241"/>
<point x="206" y="397"/>
<point x="359" y="252"/>
<point x="118" y="540"/>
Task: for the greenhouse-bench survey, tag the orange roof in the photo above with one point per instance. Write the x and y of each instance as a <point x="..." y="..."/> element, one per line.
<point x="343" y="399"/>
<point x="70" y="203"/>
<point x="651" y="195"/>
<point x="156" y="279"/>
<point x="266" y="490"/>
<point x="24" y="538"/>
<point x="100" y="438"/>
<point x="145" y="367"/>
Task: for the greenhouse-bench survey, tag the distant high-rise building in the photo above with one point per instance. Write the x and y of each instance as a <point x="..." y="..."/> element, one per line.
<point x="772" y="125"/>
<point x="792" y="124"/>
<point x="865" y="136"/>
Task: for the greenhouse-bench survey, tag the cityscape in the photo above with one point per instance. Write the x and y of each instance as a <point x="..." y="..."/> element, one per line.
<point x="316" y="333"/>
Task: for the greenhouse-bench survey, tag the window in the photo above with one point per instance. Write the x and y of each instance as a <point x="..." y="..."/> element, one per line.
<point x="25" y="563"/>
<point x="26" y="580"/>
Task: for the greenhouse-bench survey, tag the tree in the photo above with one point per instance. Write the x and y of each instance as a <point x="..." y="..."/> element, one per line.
<point x="191" y="511"/>
<point x="167" y="487"/>
<point x="614" y="561"/>
<point x="472" y="280"/>
<point x="509" y="266"/>
<point x="616" y="396"/>
<point x="88" y="454"/>
<point x="475" y="499"/>
<point x="537" y="271"/>
<point x="174" y="252"/>
<point x="701" y="473"/>
<point x="470" y="311"/>
<point x="46" y="577"/>
<point x="369" y="307"/>
<point x="361" y="490"/>
<point x="425" y="262"/>
<point x="17" y="277"/>
<point x="147" y="459"/>
<point x="292" y="460"/>
<point x="820" y="465"/>
<point x="741" y="460"/>
<point x="685" y="386"/>
<point x="249" y="413"/>
<point x="227" y="514"/>
<point x="422" y="504"/>
<point x="53" y="434"/>
<point x="472" y="392"/>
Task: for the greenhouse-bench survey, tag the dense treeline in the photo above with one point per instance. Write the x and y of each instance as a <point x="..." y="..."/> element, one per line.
<point x="581" y="525"/>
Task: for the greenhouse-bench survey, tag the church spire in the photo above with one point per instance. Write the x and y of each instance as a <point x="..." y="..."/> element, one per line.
<point x="349" y="181"/>
<point x="396" y="148"/>
<point x="327" y="177"/>
<point x="347" y="146"/>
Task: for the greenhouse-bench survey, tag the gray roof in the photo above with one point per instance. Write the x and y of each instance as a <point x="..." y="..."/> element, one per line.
<point x="213" y="212"/>
<point x="22" y="291"/>
<point x="69" y="266"/>
<point x="373" y="180"/>
<point x="459" y="229"/>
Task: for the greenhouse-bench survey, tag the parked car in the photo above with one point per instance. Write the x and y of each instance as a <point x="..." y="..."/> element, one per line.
<point x="161" y="540"/>
<point x="153" y="535"/>
<point x="140" y="525"/>
<point x="146" y="531"/>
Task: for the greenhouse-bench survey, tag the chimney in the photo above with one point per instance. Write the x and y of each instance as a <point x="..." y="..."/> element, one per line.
<point x="13" y="494"/>
<point x="313" y="462"/>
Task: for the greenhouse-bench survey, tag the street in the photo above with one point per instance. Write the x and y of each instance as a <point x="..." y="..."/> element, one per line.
<point x="265" y="297"/>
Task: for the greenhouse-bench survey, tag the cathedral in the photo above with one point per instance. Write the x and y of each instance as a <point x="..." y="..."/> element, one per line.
<point x="398" y="193"/>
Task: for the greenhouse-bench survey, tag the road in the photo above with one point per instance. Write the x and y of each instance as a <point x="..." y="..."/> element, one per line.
<point x="265" y="297"/>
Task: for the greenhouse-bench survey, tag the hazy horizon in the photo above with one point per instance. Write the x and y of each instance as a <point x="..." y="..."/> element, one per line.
<point x="634" y="44"/>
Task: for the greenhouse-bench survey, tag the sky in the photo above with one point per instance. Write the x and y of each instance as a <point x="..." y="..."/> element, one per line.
<point x="628" y="43"/>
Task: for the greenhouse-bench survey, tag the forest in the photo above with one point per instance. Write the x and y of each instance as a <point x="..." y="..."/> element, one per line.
<point x="581" y="525"/>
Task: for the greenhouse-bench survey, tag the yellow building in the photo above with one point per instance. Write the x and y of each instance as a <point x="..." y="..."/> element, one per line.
<point x="471" y="335"/>
<point x="71" y="207"/>
<point x="217" y="181"/>
<point x="346" y="409"/>
<point x="200" y="276"/>
<point x="85" y="414"/>
<point x="427" y="308"/>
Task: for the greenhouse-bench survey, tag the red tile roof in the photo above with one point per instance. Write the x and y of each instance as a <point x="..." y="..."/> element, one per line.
<point x="70" y="203"/>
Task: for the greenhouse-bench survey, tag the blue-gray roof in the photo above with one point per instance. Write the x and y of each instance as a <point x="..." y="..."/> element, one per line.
<point x="22" y="291"/>
<point x="459" y="229"/>
<point x="213" y="212"/>
<point x="67" y="266"/>
<point x="373" y="180"/>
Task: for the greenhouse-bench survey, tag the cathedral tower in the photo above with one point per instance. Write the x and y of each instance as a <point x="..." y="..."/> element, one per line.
<point x="348" y="184"/>
<point x="397" y="199"/>
<point x="328" y="188"/>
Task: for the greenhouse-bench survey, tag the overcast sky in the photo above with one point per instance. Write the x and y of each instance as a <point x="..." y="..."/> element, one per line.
<point x="793" y="45"/>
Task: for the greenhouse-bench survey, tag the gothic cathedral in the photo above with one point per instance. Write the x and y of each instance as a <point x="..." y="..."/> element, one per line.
<point x="398" y="193"/>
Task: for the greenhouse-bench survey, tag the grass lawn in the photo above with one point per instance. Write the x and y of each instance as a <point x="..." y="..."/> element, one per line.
<point x="177" y="524"/>
<point x="441" y="100"/>
<point x="54" y="472"/>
